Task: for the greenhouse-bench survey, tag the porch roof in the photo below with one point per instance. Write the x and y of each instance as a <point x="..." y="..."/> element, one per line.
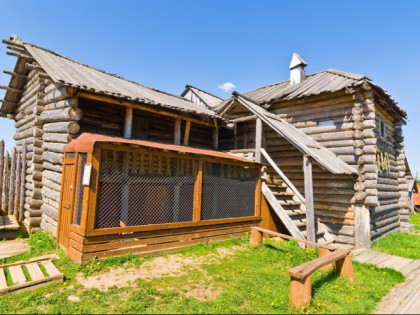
<point x="85" y="143"/>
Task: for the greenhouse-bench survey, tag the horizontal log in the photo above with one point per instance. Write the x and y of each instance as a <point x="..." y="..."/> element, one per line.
<point x="35" y="203"/>
<point x="50" y="184"/>
<point x="53" y="157"/>
<point x="57" y="137"/>
<point x="371" y="201"/>
<point x="51" y="194"/>
<point x="388" y="195"/>
<point x="53" y="176"/>
<point x="385" y="187"/>
<point x="386" y="208"/>
<point x="45" y="226"/>
<point x="386" y="222"/>
<point x="52" y="167"/>
<point x="53" y="147"/>
<point x="33" y="221"/>
<point x="64" y="114"/>
<point x="338" y="143"/>
<point x="91" y="121"/>
<point x="56" y="95"/>
<point x="340" y="229"/>
<point x="49" y="220"/>
<point x="51" y="202"/>
<point x="50" y="211"/>
<point x="32" y="213"/>
<point x="71" y="102"/>
<point x="62" y="127"/>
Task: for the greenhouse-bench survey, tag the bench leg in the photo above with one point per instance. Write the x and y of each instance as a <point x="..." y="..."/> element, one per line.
<point x="256" y="238"/>
<point x="345" y="268"/>
<point x="300" y="291"/>
<point x="324" y="252"/>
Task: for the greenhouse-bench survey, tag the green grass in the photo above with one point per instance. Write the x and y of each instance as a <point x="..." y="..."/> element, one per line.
<point x="415" y="219"/>
<point x="253" y="280"/>
<point x="399" y="244"/>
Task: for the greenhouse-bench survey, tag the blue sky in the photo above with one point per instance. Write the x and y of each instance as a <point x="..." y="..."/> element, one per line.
<point x="167" y="44"/>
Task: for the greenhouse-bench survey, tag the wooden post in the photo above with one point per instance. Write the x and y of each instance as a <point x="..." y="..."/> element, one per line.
<point x="324" y="252"/>
<point x="309" y="198"/>
<point x="1" y="169"/>
<point x="235" y="137"/>
<point x="344" y="268"/>
<point x="17" y="185"/>
<point x="12" y="182"/>
<point x="300" y="291"/>
<point x="198" y="189"/>
<point x="256" y="238"/>
<point x="22" y="182"/>
<point x="215" y="136"/>
<point x="177" y="131"/>
<point x="128" y="122"/>
<point x="187" y="132"/>
<point x="258" y="140"/>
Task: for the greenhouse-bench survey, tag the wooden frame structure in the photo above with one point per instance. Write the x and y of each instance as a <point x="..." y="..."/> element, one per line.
<point x="85" y="241"/>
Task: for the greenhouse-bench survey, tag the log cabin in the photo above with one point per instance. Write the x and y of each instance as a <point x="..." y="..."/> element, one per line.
<point x="118" y="167"/>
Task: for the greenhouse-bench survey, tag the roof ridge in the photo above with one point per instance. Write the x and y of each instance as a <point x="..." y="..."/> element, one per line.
<point x="330" y="70"/>
<point x="103" y="71"/>
<point x="189" y="85"/>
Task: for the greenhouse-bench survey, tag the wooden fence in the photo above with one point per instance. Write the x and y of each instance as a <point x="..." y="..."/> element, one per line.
<point x="12" y="179"/>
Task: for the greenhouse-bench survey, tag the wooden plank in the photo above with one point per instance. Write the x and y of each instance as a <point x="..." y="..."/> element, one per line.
<point x="187" y="132"/>
<point x="309" y="197"/>
<point x="51" y="269"/>
<point x="36" y="259"/>
<point x="155" y="240"/>
<point x="304" y="270"/>
<point x="34" y="271"/>
<point x="16" y="272"/>
<point x="3" y="282"/>
<point x="198" y="191"/>
<point x="281" y="213"/>
<point x="10" y="223"/>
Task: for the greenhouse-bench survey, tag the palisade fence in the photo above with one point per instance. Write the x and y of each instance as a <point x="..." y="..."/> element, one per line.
<point x="12" y="179"/>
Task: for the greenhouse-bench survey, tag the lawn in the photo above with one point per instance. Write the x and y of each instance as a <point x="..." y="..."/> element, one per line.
<point x="227" y="277"/>
<point x="415" y="219"/>
<point x="399" y="244"/>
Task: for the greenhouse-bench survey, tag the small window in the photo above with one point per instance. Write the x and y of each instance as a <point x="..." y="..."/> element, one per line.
<point x="382" y="129"/>
<point x="325" y="123"/>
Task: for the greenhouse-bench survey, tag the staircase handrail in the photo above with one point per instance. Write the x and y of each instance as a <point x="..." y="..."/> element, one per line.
<point x="284" y="177"/>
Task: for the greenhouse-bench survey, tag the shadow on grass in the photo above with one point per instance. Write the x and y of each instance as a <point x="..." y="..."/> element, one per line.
<point x="326" y="276"/>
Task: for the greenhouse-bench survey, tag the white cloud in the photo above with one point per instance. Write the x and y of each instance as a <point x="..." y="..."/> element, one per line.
<point x="227" y="87"/>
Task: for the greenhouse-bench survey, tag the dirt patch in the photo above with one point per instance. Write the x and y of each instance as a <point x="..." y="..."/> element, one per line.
<point x="163" y="266"/>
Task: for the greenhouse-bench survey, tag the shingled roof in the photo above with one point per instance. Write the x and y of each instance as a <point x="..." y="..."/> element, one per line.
<point x="327" y="81"/>
<point x="68" y="72"/>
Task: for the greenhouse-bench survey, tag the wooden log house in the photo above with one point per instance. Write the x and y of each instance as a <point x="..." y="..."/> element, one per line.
<point x="318" y="139"/>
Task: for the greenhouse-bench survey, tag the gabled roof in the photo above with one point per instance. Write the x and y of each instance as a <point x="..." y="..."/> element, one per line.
<point x="298" y="138"/>
<point x="209" y="100"/>
<point x="327" y="81"/>
<point x="68" y="72"/>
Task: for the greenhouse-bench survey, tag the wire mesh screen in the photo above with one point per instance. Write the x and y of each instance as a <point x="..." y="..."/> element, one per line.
<point x="80" y="190"/>
<point x="228" y="191"/>
<point x="143" y="189"/>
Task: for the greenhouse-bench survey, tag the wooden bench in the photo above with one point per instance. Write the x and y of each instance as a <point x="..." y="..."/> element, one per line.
<point x="301" y="276"/>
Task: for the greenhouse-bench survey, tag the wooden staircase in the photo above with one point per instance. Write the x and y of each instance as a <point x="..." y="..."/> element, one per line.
<point x="286" y="200"/>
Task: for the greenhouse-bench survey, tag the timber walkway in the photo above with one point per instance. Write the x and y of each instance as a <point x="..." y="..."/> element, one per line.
<point x="404" y="298"/>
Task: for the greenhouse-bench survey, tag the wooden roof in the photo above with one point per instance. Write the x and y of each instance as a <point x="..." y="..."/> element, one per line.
<point x="298" y="138"/>
<point x="207" y="98"/>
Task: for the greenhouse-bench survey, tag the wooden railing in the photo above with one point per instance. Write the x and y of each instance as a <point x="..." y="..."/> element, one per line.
<point x="284" y="177"/>
<point x="301" y="276"/>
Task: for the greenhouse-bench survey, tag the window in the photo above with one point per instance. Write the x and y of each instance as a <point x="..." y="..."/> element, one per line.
<point x="325" y="123"/>
<point x="381" y="128"/>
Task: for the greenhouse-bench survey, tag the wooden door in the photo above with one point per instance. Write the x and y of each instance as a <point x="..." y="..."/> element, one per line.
<point x="67" y="199"/>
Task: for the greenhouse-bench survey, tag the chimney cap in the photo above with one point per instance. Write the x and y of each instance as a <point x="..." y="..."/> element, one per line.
<point x="297" y="61"/>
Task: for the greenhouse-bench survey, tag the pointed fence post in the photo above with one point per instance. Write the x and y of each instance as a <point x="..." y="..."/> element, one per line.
<point x="22" y="182"/>
<point x="5" y="192"/>
<point x="17" y="184"/>
<point x="1" y="169"/>
<point x="258" y="140"/>
<point x="12" y="182"/>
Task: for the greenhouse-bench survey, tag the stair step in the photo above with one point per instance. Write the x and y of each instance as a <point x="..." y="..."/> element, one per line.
<point x="281" y="193"/>
<point x="289" y="203"/>
<point x="319" y="232"/>
<point x="292" y="213"/>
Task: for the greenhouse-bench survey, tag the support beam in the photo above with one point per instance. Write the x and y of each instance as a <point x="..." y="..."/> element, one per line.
<point x="10" y="89"/>
<point x="187" y="132"/>
<point x="14" y="74"/>
<point x="177" y="131"/>
<point x="309" y="197"/>
<point x="128" y="124"/>
<point x="258" y="140"/>
<point x="235" y="137"/>
<point x="215" y="135"/>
